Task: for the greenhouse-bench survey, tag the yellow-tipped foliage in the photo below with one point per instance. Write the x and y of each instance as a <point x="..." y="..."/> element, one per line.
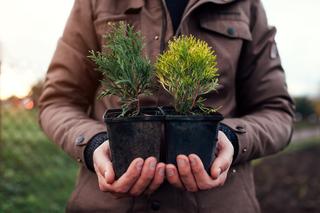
<point x="187" y="70"/>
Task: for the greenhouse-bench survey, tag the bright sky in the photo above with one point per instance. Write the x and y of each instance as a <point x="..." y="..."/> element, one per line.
<point x="29" y="31"/>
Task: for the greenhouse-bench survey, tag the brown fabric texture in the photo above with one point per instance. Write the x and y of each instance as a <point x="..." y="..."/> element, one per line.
<point x="252" y="94"/>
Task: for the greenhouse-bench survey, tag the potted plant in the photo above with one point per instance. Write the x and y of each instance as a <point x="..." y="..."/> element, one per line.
<point x="133" y="131"/>
<point x="187" y="71"/>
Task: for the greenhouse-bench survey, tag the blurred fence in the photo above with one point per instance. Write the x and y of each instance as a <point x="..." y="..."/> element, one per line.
<point x="35" y="176"/>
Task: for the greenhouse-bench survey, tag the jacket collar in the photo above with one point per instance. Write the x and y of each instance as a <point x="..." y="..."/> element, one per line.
<point x="217" y="1"/>
<point x="134" y="5"/>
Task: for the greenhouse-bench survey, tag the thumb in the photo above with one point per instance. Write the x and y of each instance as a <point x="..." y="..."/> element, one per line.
<point x="102" y="161"/>
<point x="109" y="172"/>
<point x="224" y="157"/>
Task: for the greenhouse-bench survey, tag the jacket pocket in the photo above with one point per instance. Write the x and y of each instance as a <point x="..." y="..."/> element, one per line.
<point x="102" y="25"/>
<point x="226" y="27"/>
<point x="226" y="36"/>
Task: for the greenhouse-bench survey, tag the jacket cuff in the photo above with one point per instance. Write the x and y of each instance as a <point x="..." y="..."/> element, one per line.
<point x="240" y="130"/>
<point x="93" y="144"/>
<point x="81" y="137"/>
<point x="231" y="135"/>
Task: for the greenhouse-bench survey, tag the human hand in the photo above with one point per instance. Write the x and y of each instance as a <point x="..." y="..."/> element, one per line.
<point x="142" y="176"/>
<point x="191" y="175"/>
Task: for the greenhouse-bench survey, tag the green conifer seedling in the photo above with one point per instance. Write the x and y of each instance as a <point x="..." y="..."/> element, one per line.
<point x="126" y="72"/>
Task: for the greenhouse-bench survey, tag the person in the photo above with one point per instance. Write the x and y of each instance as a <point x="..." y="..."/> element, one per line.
<point x="257" y="108"/>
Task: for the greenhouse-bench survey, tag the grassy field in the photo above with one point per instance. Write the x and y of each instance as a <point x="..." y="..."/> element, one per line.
<point x="35" y="176"/>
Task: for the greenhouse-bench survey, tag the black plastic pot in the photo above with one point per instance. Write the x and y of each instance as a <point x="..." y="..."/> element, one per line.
<point x="132" y="137"/>
<point x="192" y="134"/>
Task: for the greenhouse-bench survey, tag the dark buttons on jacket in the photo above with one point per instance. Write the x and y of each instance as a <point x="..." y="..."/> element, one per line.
<point x="79" y="140"/>
<point x="231" y="31"/>
<point x="155" y="205"/>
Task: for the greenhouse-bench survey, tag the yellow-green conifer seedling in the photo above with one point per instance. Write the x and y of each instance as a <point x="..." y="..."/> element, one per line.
<point x="187" y="70"/>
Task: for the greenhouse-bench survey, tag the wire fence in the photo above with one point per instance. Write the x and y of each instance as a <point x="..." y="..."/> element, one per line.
<point x="35" y="176"/>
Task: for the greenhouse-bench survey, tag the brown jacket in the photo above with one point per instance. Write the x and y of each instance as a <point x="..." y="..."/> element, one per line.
<point x="252" y="93"/>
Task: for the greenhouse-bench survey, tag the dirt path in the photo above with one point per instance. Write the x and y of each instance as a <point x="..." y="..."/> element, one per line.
<point x="289" y="183"/>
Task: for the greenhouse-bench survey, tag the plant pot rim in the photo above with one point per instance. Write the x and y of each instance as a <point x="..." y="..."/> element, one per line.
<point x="212" y="117"/>
<point x="172" y="115"/>
<point x="155" y="115"/>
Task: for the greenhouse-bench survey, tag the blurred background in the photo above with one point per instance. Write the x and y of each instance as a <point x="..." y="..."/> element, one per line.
<point x="35" y="176"/>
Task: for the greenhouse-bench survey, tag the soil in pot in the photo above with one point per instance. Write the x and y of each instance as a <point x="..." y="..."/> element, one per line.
<point x="134" y="137"/>
<point x="187" y="134"/>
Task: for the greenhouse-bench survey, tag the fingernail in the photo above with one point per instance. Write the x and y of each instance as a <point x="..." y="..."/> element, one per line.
<point x="161" y="171"/>
<point x="139" y="165"/>
<point x="219" y="172"/>
<point x="170" y="172"/>
<point x="152" y="165"/>
<point x="181" y="162"/>
<point x="193" y="161"/>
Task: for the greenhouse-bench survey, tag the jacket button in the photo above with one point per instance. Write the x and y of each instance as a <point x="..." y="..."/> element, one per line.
<point x="231" y="31"/>
<point x="78" y="160"/>
<point x="244" y="150"/>
<point x="156" y="37"/>
<point x="155" y="205"/>
<point x="79" y="140"/>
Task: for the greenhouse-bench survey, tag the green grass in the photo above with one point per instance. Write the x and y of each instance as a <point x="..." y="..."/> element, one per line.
<point x="305" y="125"/>
<point x="35" y="175"/>
<point x="299" y="145"/>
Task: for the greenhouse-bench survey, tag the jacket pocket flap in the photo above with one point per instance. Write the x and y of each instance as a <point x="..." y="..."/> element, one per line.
<point x="230" y="28"/>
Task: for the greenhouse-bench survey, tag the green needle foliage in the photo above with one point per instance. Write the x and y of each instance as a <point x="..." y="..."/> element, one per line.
<point x="187" y="70"/>
<point x="126" y="73"/>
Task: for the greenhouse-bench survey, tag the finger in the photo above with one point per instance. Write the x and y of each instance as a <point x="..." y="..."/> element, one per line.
<point x="126" y="181"/>
<point x="103" y="185"/>
<point x="109" y="174"/>
<point x="220" y="165"/>
<point x="185" y="173"/>
<point x="224" y="158"/>
<point x="220" y="180"/>
<point x="100" y="156"/>
<point x="203" y="180"/>
<point x="146" y="177"/>
<point x="173" y="176"/>
<point x="103" y="164"/>
<point x="158" y="178"/>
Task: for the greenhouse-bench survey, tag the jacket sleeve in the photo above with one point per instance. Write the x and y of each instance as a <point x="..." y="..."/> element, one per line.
<point x="265" y="110"/>
<point x="71" y="84"/>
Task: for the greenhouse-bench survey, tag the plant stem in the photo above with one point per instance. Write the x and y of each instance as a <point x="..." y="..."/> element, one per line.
<point x="195" y="95"/>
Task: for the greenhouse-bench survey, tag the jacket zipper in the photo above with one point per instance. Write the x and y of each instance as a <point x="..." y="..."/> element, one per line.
<point x="163" y="27"/>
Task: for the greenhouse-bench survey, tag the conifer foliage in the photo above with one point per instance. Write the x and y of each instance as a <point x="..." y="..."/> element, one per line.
<point x="126" y="72"/>
<point x="187" y="70"/>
